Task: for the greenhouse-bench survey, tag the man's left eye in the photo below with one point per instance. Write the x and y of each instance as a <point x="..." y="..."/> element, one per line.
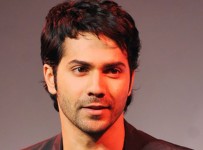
<point x="113" y="72"/>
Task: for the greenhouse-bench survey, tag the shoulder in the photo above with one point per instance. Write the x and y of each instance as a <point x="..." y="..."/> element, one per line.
<point x="136" y="139"/>
<point x="160" y="145"/>
<point x="51" y="143"/>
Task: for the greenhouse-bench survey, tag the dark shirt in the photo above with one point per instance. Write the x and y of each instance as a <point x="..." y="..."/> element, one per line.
<point x="134" y="140"/>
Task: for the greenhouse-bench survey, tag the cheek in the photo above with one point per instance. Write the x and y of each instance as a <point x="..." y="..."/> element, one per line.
<point x="120" y="90"/>
<point x="70" y="86"/>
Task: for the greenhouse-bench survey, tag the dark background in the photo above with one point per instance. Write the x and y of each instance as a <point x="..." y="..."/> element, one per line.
<point x="168" y="103"/>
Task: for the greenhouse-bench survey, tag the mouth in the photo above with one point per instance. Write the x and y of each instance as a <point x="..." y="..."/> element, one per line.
<point x="95" y="109"/>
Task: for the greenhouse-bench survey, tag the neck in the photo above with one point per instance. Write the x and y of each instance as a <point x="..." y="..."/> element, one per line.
<point x="75" y="139"/>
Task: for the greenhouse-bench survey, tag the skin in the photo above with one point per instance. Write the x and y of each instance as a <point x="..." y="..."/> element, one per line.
<point x="93" y="83"/>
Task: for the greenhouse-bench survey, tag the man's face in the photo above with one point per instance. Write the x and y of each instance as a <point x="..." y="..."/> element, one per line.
<point x="93" y="82"/>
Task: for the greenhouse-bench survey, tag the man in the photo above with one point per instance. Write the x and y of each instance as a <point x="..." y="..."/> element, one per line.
<point x="89" y="50"/>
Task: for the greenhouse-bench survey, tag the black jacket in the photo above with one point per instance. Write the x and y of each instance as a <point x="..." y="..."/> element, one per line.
<point x="134" y="140"/>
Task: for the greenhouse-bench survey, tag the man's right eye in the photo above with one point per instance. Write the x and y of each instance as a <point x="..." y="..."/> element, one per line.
<point x="80" y="70"/>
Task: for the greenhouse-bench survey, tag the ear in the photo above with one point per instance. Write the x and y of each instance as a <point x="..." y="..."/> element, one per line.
<point x="131" y="83"/>
<point x="49" y="78"/>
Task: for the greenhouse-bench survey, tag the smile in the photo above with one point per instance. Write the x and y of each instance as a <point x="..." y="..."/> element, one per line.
<point x="96" y="109"/>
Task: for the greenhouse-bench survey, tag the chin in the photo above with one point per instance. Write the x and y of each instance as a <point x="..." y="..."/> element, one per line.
<point x="95" y="127"/>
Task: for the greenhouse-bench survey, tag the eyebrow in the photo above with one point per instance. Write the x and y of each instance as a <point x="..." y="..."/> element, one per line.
<point x="75" y="61"/>
<point x="106" y="65"/>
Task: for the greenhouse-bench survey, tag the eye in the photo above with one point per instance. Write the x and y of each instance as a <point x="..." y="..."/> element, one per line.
<point x="113" y="72"/>
<point x="80" y="70"/>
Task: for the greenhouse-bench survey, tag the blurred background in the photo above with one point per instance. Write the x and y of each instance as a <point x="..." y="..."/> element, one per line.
<point x="168" y="99"/>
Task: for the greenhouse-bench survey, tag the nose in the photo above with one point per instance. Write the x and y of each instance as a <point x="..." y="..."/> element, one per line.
<point x="96" y="86"/>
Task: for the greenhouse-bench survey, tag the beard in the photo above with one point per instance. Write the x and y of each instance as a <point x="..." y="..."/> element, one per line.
<point x="93" y="125"/>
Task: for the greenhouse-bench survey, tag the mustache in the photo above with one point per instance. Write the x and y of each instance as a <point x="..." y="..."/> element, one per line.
<point x="94" y="100"/>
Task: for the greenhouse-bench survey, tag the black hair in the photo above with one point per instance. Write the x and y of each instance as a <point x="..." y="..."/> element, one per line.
<point x="99" y="17"/>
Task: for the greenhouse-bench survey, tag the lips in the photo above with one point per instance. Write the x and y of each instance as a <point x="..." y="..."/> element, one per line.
<point x="95" y="107"/>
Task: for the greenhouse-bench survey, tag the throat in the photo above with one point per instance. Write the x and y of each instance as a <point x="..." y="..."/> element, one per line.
<point x="115" y="134"/>
<point x="76" y="139"/>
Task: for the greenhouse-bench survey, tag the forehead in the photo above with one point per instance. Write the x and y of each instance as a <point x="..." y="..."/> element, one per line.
<point x="88" y="41"/>
<point x="97" y="50"/>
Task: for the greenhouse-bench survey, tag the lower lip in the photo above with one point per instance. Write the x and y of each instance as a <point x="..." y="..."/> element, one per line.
<point x="95" y="111"/>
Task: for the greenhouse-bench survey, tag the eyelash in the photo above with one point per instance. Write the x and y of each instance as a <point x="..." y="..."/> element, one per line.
<point x="80" y="69"/>
<point x="113" y="70"/>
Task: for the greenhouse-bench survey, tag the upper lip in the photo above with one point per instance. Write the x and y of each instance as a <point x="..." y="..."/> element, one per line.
<point x="97" y="106"/>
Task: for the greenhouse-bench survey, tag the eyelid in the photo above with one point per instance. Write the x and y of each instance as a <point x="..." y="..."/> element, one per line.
<point x="79" y="67"/>
<point x="84" y="70"/>
<point x="117" y="67"/>
<point x="113" y="68"/>
<point x="113" y="72"/>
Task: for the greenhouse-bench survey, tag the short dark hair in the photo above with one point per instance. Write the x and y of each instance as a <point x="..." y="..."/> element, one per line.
<point x="99" y="17"/>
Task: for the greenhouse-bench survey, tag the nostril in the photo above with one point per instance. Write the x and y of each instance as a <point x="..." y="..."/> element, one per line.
<point x="98" y="95"/>
<point x="101" y="95"/>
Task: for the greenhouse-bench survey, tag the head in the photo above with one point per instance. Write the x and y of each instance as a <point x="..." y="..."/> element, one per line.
<point x="98" y="17"/>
